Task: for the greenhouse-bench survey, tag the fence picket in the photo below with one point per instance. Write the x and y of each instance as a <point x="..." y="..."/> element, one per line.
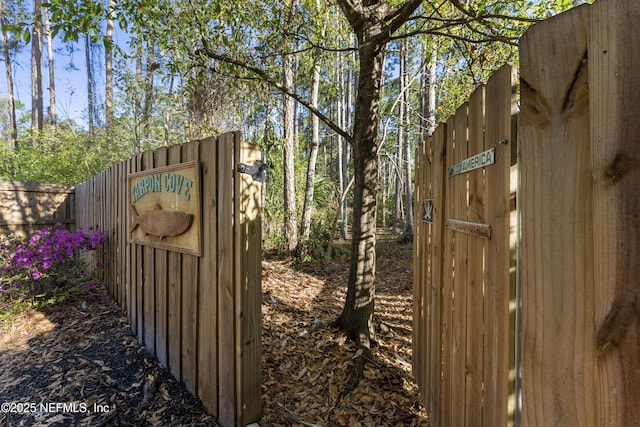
<point x="614" y="44"/>
<point x="475" y="274"/>
<point x="208" y="296"/>
<point x="190" y="151"/>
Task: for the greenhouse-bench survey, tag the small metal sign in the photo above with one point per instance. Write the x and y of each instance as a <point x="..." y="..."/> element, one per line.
<point x="475" y="162"/>
<point x="427" y="211"/>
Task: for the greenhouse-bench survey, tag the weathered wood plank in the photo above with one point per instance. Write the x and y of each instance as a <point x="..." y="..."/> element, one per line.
<point x="248" y="287"/>
<point x="445" y="398"/>
<point x="131" y="254"/>
<point x="161" y="272"/>
<point x="557" y="245"/>
<point x="475" y="275"/>
<point x="439" y="267"/>
<point x="208" y="295"/>
<point x="614" y="84"/>
<point x="227" y="391"/>
<point x="190" y="151"/>
<point x="470" y="228"/>
<point x="420" y="263"/>
<point x="148" y="281"/>
<point x="460" y="201"/>
<point x="499" y="367"/>
<point x="174" y="278"/>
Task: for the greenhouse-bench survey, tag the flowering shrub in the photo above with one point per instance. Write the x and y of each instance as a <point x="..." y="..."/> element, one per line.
<point x="50" y="258"/>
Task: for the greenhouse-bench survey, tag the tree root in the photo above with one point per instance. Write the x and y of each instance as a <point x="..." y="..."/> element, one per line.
<point x="363" y="355"/>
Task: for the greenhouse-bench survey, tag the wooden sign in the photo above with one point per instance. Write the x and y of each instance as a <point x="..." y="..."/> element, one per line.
<point x="164" y="208"/>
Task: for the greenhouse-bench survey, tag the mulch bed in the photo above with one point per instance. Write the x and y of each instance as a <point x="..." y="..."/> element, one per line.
<point x="77" y="363"/>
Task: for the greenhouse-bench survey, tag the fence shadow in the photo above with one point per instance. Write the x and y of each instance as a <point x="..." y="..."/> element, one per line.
<point x="27" y="207"/>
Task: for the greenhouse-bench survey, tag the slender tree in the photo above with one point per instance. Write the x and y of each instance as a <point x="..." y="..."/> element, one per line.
<point x="405" y="124"/>
<point x="90" y="86"/>
<point x="428" y="88"/>
<point x="50" y="65"/>
<point x="8" y="60"/>
<point x="108" y="71"/>
<point x="290" y="214"/>
<point x="149" y="71"/>
<point x="399" y="155"/>
<point x="37" y="106"/>
<point x="288" y="153"/>
<point x="313" y="150"/>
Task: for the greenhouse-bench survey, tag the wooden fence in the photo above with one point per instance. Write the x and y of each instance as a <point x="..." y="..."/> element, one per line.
<point x="572" y="359"/>
<point x="200" y="316"/>
<point x="26" y="207"/>
<point x="463" y="283"/>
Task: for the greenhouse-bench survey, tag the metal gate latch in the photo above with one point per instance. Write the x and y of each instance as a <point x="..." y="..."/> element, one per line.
<point x="258" y="170"/>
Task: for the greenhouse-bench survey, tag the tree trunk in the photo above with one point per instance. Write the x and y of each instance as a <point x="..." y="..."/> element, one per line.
<point x="428" y="90"/>
<point x="137" y="102"/>
<point x="148" y="88"/>
<point x="167" y="110"/>
<point x="340" y="167"/>
<point x="346" y="159"/>
<point x="405" y="123"/>
<point x="90" y="98"/>
<point x="52" y="79"/>
<point x="399" y="160"/>
<point x="108" y="74"/>
<point x="313" y="152"/>
<point x="290" y="215"/>
<point x="9" y="68"/>
<point x="37" y="106"/>
<point x="356" y="320"/>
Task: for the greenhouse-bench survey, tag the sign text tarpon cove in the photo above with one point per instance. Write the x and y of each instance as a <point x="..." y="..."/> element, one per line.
<point x="164" y="207"/>
<point x="170" y="182"/>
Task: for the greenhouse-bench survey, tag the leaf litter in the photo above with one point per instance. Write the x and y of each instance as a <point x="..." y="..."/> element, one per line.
<point x="306" y="363"/>
<point x="83" y="351"/>
<point x="82" y="354"/>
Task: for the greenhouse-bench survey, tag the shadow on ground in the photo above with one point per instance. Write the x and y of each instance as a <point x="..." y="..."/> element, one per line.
<point x="306" y="364"/>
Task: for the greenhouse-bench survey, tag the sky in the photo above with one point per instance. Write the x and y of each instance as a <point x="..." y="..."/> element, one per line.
<point x="70" y="77"/>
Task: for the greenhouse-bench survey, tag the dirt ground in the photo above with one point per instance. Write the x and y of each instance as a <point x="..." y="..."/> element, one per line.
<point x="77" y="363"/>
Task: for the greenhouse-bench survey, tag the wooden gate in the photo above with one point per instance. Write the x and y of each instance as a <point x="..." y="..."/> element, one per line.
<point x="464" y="287"/>
<point x="579" y="207"/>
<point x="194" y="304"/>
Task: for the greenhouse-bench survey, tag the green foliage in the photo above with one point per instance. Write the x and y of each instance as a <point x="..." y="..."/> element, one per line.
<point x="323" y="214"/>
<point x="62" y="155"/>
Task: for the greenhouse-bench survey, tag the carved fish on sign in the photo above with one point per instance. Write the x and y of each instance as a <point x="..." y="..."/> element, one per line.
<point x="161" y="223"/>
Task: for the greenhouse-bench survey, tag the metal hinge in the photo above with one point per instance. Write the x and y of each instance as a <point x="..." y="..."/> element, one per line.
<point x="258" y="170"/>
